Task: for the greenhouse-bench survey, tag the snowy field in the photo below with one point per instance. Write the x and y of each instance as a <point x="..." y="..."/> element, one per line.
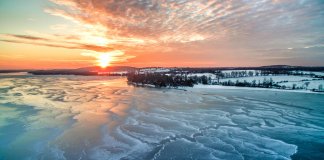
<point x="312" y="84"/>
<point x="228" y="72"/>
<point x="274" y="78"/>
<point x="213" y="76"/>
<point x="309" y="73"/>
<point x="83" y="117"/>
<point x="287" y="81"/>
<point x="154" y="70"/>
<point x="201" y="86"/>
<point x="282" y="80"/>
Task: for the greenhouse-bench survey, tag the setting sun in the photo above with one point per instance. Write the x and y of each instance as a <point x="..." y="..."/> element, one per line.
<point x="104" y="60"/>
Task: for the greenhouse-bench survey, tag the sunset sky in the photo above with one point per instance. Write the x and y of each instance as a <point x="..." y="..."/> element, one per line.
<point x="195" y="33"/>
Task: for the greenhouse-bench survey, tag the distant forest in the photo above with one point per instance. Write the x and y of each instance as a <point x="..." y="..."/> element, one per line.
<point x="173" y="80"/>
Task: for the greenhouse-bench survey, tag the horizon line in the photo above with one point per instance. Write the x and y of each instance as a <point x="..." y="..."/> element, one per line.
<point x="26" y="69"/>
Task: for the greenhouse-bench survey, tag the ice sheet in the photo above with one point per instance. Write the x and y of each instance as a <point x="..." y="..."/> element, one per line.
<point x="76" y="117"/>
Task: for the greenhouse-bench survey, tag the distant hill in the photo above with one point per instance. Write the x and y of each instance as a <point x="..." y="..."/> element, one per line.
<point x="287" y="67"/>
<point x="278" y="66"/>
<point x="94" y="70"/>
<point x="108" y="69"/>
<point x="14" y="71"/>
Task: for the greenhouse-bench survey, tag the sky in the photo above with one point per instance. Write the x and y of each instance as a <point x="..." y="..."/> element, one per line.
<point x="43" y="34"/>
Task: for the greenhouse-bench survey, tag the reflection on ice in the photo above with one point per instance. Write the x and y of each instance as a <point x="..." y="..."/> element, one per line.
<point x="75" y="117"/>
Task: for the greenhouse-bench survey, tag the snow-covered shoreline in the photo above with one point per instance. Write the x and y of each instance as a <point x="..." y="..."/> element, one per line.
<point x="201" y="86"/>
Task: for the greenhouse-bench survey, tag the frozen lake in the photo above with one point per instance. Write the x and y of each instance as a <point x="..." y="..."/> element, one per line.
<point x="78" y="117"/>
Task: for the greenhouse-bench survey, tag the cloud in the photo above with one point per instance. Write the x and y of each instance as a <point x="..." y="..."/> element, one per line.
<point x="41" y="44"/>
<point x="212" y="26"/>
<point x="170" y="21"/>
<point x="27" y="39"/>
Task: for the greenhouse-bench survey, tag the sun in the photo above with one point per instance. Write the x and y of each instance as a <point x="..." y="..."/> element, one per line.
<point x="104" y="60"/>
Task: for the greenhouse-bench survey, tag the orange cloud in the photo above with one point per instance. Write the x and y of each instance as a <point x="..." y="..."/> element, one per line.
<point x="210" y="31"/>
<point x="26" y="39"/>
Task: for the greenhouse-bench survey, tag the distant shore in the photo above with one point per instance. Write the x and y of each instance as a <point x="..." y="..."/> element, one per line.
<point x="199" y="86"/>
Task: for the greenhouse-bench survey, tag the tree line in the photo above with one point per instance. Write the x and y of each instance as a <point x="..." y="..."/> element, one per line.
<point x="164" y="80"/>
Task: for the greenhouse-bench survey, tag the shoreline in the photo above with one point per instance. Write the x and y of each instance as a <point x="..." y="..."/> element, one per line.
<point x="200" y="86"/>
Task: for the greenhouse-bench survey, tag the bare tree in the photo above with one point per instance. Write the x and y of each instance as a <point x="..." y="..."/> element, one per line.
<point x="294" y="86"/>
<point x="306" y="84"/>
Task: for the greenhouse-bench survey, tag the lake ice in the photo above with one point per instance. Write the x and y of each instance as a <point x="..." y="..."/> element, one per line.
<point x="78" y="117"/>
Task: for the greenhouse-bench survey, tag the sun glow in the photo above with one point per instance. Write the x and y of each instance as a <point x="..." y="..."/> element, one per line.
<point x="104" y="60"/>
